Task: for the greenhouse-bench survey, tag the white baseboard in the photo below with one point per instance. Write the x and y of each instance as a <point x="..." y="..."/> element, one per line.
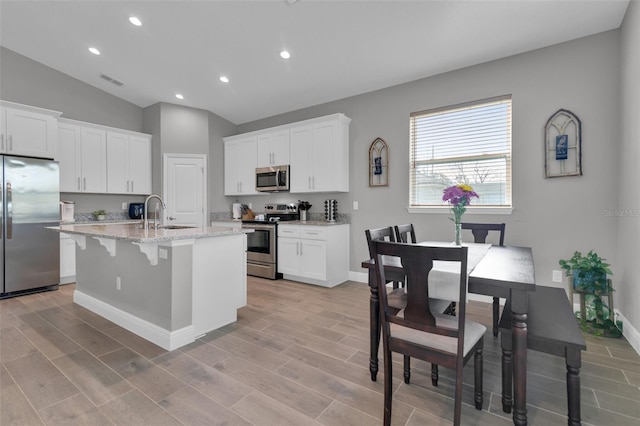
<point x="166" y="339"/>
<point x="628" y="331"/>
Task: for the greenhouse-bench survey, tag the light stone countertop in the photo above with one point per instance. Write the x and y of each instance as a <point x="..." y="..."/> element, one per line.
<point x="291" y="222"/>
<point x="135" y="233"/>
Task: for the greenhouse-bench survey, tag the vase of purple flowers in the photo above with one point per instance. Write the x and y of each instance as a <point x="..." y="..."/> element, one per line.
<point x="458" y="197"/>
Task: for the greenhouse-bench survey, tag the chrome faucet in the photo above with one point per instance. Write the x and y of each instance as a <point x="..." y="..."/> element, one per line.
<point x="146" y="211"/>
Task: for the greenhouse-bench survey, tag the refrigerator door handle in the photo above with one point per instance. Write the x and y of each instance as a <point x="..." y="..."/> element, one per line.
<point x="9" y="212"/>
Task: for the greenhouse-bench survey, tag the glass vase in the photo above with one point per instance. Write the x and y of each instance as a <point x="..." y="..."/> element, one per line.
<point x="458" y="241"/>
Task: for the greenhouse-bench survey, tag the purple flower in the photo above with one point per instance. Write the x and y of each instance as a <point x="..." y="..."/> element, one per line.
<point x="458" y="197"/>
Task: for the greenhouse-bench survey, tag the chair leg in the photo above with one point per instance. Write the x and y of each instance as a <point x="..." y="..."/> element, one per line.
<point x="407" y="368"/>
<point x="434" y="374"/>
<point x="496" y="315"/>
<point x="453" y="309"/>
<point x="388" y="388"/>
<point x="457" y="403"/>
<point x="477" y="369"/>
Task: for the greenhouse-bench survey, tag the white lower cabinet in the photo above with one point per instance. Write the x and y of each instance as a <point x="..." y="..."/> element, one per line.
<point x="314" y="254"/>
<point x="67" y="259"/>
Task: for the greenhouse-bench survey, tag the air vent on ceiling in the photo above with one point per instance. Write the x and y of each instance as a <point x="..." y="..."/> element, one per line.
<point x="111" y="80"/>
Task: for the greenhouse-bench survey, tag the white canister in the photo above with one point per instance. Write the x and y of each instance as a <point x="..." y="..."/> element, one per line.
<point x="236" y="210"/>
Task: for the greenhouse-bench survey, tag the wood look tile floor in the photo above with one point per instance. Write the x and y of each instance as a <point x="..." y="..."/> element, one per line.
<point x="298" y="355"/>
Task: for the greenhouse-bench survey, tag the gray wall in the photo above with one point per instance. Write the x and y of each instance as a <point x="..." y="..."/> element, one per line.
<point x="626" y="280"/>
<point x="553" y="216"/>
<point x="28" y="82"/>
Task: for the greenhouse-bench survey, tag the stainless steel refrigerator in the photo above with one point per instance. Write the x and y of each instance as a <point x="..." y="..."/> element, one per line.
<point x="29" y="254"/>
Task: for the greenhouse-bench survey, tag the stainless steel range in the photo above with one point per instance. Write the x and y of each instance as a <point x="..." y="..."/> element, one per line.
<point x="262" y="244"/>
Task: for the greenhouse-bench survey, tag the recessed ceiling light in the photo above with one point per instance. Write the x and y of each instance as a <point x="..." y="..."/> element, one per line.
<point x="224" y="79"/>
<point x="285" y="54"/>
<point x="135" y="21"/>
<point x="94" y="51"/>
<point x="179" y="96"/>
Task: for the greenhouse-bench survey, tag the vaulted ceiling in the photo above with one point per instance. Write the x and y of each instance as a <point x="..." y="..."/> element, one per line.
<point x="338" y="48"/>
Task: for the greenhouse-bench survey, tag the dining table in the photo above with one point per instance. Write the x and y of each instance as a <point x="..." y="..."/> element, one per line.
<point x="498" y="271"/>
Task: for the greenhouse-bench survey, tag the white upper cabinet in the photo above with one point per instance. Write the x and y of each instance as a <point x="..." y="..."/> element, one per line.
<point x="102" y="159"/>
<point x="82" y="153"/>
<point x="128" y="163"/>
<point x="273" y="148"/>
<point x="320" y="155"/>
<point x="240" y="162"/>
<point x="317" y="151"/>
<point x="28" y="131"/>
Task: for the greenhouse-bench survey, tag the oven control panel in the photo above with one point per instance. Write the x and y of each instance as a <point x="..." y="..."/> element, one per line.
<point x="281" y="208"/>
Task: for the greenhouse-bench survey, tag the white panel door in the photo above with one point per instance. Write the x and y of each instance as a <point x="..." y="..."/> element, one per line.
<point x="185" y="189"/>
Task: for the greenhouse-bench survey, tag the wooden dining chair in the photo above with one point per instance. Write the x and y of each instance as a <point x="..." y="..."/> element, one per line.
<point x="405" y="233"/>
<point x="480" y="232"/>
<point x="418" y="332"/>
<point x="383" y="234"/>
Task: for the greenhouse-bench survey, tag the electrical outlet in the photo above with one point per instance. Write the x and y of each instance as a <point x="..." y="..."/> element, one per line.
<point x="557" y="276"/>
<point x="355" y="205"/>
<point x="124" y="206"/>
<point x="118" y="283"/>
<point x="162" y="253"/>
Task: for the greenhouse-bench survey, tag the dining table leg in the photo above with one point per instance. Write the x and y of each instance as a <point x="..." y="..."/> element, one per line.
<point x="519" y="305"/>
<point x="374" y="326"/>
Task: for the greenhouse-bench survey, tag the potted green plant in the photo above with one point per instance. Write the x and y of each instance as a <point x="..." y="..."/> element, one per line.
<point x="100" y="214"/>
<point x="589" y="275"/>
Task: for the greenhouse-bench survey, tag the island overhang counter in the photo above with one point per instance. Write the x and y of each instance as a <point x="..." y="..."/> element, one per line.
<point x="168" y="286"/>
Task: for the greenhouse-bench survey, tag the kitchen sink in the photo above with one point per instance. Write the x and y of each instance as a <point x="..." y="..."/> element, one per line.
<point x="176" y="226"/>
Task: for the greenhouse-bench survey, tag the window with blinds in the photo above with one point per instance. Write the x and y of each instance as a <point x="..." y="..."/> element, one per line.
<point x="468" y="143"/>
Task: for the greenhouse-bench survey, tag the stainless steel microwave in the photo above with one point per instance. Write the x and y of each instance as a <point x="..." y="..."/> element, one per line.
<point x="272" y="179"/>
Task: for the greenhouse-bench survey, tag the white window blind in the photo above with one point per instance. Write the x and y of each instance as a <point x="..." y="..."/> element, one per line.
<point x="469" y="143"/>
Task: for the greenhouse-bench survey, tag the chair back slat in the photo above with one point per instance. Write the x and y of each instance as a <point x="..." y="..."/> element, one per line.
<point x="481" y="230"/>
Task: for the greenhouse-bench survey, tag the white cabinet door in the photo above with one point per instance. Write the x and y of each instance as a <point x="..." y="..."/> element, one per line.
<point x="301" y="141"/>
<point x="93" y="160"/>
<point x="313" y="259"/>
<point x="273" y="148"/>
<point x="28" y="133"/>
<point x="319" y="158"/>
<point x="323" y="157"/>
<point x="288" y="255"/>
<point x="140" y="164"/>
<point x="69" y="157"/>
<point x="117" y="163"/>
<point x="240" y="160"/>
<point x="67" y="259"/>
<point x="128" y="164"/>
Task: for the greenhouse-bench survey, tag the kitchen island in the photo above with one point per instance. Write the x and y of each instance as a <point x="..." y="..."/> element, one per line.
<point x="168" y="286"/>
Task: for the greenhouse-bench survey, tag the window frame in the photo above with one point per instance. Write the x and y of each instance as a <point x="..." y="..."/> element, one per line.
<point x="508" y="156"/>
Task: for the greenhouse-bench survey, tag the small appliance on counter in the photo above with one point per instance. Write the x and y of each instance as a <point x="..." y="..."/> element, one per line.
<point x="236" y="211"/>
<point x="136" y="210"/>
<point x="303" y="207"/>
<point x="67" y="211"/>
<point x="330" y="210"/>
